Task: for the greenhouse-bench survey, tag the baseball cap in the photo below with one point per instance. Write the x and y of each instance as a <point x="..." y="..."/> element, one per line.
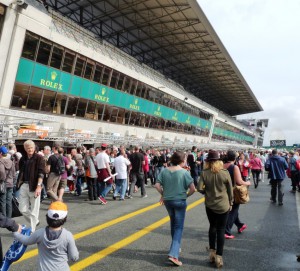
<point x="3" y="150"/>
<point x="104" y="145"/>
<point x="57" y="210"/>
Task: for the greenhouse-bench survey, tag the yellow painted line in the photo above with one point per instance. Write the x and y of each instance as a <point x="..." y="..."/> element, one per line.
<point x="34" y="252"/>
<point x="125" y="242"/>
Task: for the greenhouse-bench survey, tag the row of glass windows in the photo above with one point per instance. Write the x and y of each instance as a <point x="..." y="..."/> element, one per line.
<point x="30" y="97"/>
<point x="217" y="138"/>
<point x="45" y="52"/>
<point x="230" y="128"/>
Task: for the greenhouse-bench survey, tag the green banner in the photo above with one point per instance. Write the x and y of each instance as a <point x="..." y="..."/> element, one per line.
<point x="231" y="135"/>
<point x="38" y="75"/>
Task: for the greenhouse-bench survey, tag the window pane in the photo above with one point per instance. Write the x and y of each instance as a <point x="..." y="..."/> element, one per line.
<point x="114" y="79"/>
<point x="81" y="108"/>
<point x="90" y="111"/>
<point x="114" y="114"/>
<point x="56" y="57"/>
<point x="20" y="96"/>
<point x="121" y="81"/>
<point x="79" y="66"/>
<point x="88" y="70"/>
<point x="35" y="97"/>
<point x="99" y="111"/>
<point x="60" y="104"/>
<point x="43" y="53"/>
<point x="72" y="106"/>
<point x="30" y="45"/>
<point x="98" y="72"/>
<point x="133" y="87"/>
<point x="106" y="75"/>
<point x="68" y="62"/>
<point x="127" y="84"/>
<point x="139" y="90"/>
<point x="48" y="101"/>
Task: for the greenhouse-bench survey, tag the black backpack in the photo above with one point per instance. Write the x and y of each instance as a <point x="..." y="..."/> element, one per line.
<point x="60" y="167"/>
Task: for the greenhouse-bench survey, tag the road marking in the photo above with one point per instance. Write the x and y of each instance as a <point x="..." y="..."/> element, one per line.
<point x="34" y="252"/>
<point x="125" y="242"/>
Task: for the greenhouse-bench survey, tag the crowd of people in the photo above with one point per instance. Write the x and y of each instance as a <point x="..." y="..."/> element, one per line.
<point x="49" y="172"/>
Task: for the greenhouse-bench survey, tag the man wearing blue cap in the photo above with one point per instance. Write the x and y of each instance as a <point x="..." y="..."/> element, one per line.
<point x="7" y="175"/>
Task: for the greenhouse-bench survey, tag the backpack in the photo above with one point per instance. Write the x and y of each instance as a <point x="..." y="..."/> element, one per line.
<point x="60" y="166"/>
<point x="14" y="158"/>
<point x="297" y="164"/>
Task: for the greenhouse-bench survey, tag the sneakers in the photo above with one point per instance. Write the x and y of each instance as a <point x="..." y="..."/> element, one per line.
<point x="175" y="261"/>
<point x="240" y="230"/>
<point x="229" y="236"/>
<point x="102" y="200"/>
<point x="129" y="197"/>
<point x="280" y="203"/>
<point x="144" y="196"/>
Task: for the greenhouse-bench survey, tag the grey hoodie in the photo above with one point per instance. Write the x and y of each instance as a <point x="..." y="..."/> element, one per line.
<point x="7" y="171"/>
<point x="53" y="255"/>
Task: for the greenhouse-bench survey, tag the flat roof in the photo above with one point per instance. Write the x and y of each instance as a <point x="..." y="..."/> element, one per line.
<point x="173" y="37"/>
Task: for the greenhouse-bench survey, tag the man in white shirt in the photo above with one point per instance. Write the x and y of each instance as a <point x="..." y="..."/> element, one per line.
<point x="121" y="163"/>
<point x="102" y="162"/>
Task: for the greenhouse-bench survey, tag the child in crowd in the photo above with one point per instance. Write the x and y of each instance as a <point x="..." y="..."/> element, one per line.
<point x="55" y="244"/>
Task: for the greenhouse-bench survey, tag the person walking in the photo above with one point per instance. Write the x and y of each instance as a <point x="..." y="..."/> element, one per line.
<point x="104" y="171"/>
<point x="256" y="168"/>
<point x="54" y="177"/>
<point x="121" y="165"/>
<point x="215" y="183"/>
<point x="236" y="179"/>
<point x="137" y="161"/>
<point x="173" y="184"/>
<point x="30" y="179"/>
<point x="91" y="174"/>
<point x="7" y="175"/>
<point x="56" y="245"/>
<point x="276" y="166"/>
<point x="294" y="172"/>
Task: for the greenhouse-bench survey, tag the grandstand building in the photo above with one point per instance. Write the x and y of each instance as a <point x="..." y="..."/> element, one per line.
<point x="152" y="72"/>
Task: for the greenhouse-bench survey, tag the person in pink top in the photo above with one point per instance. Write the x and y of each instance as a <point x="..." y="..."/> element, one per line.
<point x="256" y="168"/>
<point x="146" y="167"/>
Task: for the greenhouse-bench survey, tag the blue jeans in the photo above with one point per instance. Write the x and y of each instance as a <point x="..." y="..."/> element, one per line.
<point x="79" y="182"/>
<point x="157" y="171"/>
<point x="6" y="202"/>
<point x="103" y="189"/>
<point x="233" y="218"/>
<point x="176" y="210"/>
<point x="121" y="186"/>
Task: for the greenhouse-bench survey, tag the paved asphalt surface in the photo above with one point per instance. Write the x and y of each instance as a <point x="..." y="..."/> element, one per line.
<point x="270" y="242"/>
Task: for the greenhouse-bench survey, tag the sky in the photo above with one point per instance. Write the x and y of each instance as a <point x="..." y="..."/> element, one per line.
<point x="262" y="37"/>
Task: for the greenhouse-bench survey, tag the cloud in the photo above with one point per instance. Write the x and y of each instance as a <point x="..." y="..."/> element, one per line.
<point x="262" y="38"/>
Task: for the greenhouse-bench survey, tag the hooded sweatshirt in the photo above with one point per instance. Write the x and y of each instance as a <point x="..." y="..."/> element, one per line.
<point x="7" y="171"/>
<point x="53" y="254"/>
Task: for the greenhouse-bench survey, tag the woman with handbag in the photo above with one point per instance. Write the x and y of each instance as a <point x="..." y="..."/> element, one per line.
<point x="236" y="179"/>
<point x="215" y="183"/>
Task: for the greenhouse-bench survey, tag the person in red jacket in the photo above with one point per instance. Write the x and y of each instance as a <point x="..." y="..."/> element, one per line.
<point x="244" y="166"/>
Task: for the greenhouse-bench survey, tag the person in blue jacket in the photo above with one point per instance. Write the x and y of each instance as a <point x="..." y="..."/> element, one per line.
<point x="276" y="166"/>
